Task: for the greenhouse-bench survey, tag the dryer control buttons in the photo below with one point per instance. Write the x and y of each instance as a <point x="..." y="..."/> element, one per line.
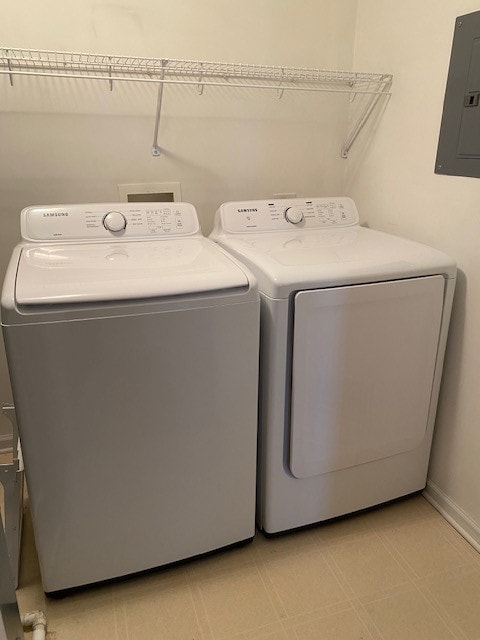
<point x="114" y="221"/>
<point x="293" y="215"/>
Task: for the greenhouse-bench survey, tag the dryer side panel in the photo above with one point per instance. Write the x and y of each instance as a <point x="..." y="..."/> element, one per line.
<point x="362" y="372"/>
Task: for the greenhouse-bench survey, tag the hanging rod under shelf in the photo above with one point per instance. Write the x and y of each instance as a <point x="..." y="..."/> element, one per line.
<point x="161" y="71"/>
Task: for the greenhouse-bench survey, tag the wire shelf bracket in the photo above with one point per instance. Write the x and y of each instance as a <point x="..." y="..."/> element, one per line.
<point x="199" y="74"/>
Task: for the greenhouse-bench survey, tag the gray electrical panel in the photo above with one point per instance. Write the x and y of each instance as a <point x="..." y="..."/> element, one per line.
<point x="458" y="151"/>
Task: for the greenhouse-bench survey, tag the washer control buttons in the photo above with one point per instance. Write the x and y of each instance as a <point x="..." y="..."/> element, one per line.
<point x="114" y="221"/>
<point x="293" y="215"/>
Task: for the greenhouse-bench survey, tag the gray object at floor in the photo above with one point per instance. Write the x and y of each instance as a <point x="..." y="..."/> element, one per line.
<point x="10" y="623"/>
<point x="11" y="477"/>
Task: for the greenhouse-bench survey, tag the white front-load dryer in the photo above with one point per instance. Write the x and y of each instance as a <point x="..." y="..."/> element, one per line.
<point x="353" y="331"/>
<point x="132" y="344"/>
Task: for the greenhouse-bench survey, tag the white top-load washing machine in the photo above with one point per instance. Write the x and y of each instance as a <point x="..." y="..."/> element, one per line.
<point x="132" y="344"/>
<point x="353" y="330"/>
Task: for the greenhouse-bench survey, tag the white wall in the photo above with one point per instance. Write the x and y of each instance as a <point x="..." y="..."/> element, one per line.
<point x="391" y="176"/>
<point x="70" y="141"/>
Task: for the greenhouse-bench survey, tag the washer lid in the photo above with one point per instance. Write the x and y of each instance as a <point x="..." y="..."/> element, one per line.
<point x="284" y="262"/>
<point x="72" y="273"/>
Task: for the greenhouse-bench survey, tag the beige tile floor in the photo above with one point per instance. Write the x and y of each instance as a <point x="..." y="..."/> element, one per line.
<point x="398" y="573"/>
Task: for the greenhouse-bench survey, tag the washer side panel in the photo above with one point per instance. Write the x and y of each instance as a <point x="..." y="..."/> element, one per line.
<point x="139" y="436"/>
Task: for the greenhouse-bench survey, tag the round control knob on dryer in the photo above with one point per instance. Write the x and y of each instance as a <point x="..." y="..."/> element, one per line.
<point x="114" y="221"/>
<point x="293" y="215"/>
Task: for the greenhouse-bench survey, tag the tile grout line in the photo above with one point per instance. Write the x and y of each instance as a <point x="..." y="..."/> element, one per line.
<point x="455" y="539"/>
<point x="202" y="601"/>
<point x="355" y="596"/>
<point x="402" y="562"/>
<point x="262" y="569"/>
<point x="447" y="620"/>
<point x="335" y="570"/>
<point x="416" y="576"/>
<point x="318" y="614"/>
<point x="357" y="604"/>
<point x="321" y="615"/>
<point x="192" y="600"/>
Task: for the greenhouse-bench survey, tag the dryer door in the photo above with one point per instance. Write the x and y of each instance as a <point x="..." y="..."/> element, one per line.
<point x="362" y="372"/>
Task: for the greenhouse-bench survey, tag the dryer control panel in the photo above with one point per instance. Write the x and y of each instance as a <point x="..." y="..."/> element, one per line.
<point x="111" y="221"/>
<point x="284" y="215"/>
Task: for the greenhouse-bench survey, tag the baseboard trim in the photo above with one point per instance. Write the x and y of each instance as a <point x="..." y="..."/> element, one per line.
<point x="456" y="516"/>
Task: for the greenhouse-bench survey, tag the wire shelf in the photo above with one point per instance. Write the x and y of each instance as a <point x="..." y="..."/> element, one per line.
<point x="164" y="71"/>
<point x="128" y="68"/>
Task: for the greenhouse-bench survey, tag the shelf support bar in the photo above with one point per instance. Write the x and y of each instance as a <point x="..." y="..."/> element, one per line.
<point x="156" y="151"/>
<point x="200" y="84"/>
<point x="280" y="90"/>
<point x="9" y="64"/>
<point x="383" y="87"/>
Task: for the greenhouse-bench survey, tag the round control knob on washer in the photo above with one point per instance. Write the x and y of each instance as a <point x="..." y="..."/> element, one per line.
<point x="114" y="221"/>
<point x="293" y="215"/>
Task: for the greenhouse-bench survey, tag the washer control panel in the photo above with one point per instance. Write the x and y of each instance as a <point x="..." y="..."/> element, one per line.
<point x="113" y="221"/>
<point x="282" y="215"/>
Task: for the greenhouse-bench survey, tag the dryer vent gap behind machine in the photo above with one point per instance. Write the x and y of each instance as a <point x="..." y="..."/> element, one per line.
<point x="132" y="344"/>
<point x="353" y="330"/>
